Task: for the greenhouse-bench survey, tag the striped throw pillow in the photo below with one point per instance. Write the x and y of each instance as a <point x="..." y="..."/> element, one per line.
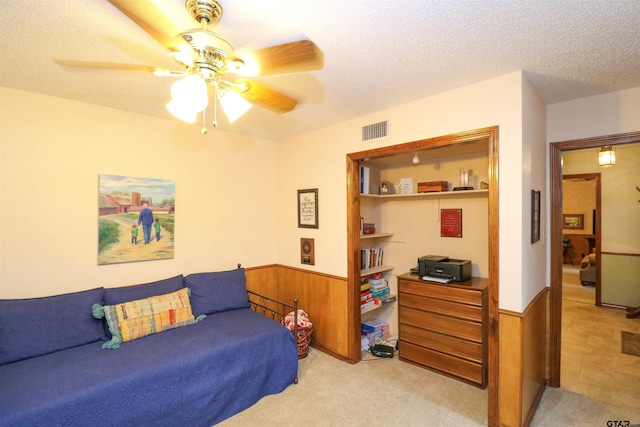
<point x="136" y="319"/>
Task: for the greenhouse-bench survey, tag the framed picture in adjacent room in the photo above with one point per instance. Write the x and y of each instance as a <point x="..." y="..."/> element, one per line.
<point x="573" y="221"/>
<point x="308" y="208"/>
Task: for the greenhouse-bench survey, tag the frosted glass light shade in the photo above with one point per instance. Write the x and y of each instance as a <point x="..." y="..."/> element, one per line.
<point x="607" y="156"/>
<point x="234" y="105"/>
<point x="182" y="111"/>
<point x="192" y="91"/>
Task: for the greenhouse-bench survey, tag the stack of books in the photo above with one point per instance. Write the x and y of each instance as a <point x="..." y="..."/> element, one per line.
<point x="374" y="329"/>
<point x="367" y="300"/>
<point x="380" y="290"/>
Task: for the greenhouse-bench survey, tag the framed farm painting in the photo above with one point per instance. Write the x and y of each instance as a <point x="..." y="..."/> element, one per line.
<point x="135" y="219"/>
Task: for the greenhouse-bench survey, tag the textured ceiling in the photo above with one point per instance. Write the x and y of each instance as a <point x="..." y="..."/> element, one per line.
<point x="378" y="54"/>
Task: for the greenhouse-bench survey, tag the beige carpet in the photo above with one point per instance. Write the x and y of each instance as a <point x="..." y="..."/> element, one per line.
<point x="389" y="392"/>
<point x="572" y="289"/>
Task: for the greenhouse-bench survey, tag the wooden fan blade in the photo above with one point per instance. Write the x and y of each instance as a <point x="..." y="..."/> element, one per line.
<point x="148" y="15"/>
<point x="268" y="98"/>
<point x="302" y="55"/>
<point x="105" y="65"/>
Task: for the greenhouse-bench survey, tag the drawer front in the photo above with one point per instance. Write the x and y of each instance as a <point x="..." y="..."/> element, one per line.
<point x="442" y="343"/>
<point x="468" y="371"/>
<point x="444" y="324"/>
<point x="465" y="296"/>
<point x="465" y="311"/>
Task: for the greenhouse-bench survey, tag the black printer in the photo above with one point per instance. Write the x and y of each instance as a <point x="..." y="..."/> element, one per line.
<point x="444" y="267"/>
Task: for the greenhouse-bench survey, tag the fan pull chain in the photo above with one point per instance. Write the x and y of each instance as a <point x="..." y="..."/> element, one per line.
<point x="204" y="129"/>
<point x="215" y="107"/>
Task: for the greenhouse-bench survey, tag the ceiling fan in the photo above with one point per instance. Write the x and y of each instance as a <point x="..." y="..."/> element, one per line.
<point x="208" y="61"/>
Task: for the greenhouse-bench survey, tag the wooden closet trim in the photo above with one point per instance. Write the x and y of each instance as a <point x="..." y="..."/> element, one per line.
<point x="353" y="243"/>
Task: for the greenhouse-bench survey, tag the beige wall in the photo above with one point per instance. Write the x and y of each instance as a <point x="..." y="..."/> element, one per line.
<point x="619" y="198"/>
<point x="318" y="160"/>
<point x="579" y="197"/>
<point x="52" y="152"/>
<point x="534" y="259"/>
<point x="608" y="114"/>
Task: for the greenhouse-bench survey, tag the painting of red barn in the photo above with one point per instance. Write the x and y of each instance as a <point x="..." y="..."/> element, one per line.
<point x="136" y="219"/>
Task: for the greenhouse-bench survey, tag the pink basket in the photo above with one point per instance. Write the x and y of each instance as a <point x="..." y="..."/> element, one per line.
<point x="305" y="329"/>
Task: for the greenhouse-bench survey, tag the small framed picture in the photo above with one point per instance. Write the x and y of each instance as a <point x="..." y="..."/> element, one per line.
<point x="308" y="208"/>
<point x="387" y="187"/>
<point x="573" y="221"/>
<point x="450" y="222"/>
<point x="307" y="251"/>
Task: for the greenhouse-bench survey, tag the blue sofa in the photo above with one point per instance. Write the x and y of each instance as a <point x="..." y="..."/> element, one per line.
<point x="54" y="370"/>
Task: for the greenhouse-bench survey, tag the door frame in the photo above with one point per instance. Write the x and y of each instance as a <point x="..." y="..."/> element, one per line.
<point x="555" y="202"/>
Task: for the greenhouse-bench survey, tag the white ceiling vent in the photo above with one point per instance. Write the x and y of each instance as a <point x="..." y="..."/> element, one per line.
<point x="375" y="131"/>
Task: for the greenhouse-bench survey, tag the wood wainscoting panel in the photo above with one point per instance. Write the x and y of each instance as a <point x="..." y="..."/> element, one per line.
<point x="523" y="365"/>
<point x="322" y="296"/>
<point x="510" y="369"/>
<point x="264" y="280"/>
<point x="534" y="355"/>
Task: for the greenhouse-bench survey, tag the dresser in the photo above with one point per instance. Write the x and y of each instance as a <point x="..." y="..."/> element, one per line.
<point x="443" y="327"/>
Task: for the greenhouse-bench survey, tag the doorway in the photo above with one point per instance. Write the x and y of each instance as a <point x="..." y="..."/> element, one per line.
<point x="581" y="196"/>
<point x="556" y="223"/>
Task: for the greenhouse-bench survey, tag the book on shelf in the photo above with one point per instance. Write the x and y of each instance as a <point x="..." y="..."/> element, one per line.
<point x="373" y="325"/>
<point x="366" y="296"/>
<point x="381" y="293"/>
<point x="371" y="257"/>
<point x="386" y="300"/>
<point x="365" y="286"/>
<point x="367" y="305"/>
<point x="378" y="283"/>
<point x="365" y="177"/>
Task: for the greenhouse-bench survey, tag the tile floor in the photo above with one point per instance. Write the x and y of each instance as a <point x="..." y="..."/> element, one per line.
<point x="592" y="363"/>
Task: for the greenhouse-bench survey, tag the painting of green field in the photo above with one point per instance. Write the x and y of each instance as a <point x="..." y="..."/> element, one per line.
<point x="136" y="218"/>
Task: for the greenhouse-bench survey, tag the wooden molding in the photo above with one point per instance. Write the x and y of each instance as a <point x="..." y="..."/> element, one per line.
<point x="555" y="200"/>
<point x="353" y="235"/>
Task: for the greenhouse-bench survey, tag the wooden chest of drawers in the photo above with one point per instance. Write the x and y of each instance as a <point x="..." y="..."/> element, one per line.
<point x="443" y="327"/>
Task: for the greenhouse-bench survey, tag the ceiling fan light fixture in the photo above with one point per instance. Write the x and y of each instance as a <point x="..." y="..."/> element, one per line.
<point x="182" y="111"/>
<point x="184" y="58"/>
<point x="191" y="91"/>
<point x="607" y="156"/>
<point x="233" y="104"/>
<point x="247" y="67"/>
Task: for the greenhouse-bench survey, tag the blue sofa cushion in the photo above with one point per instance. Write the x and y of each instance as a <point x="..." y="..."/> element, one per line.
<point x="114" y="296"/>
<point x="217" y="291"/>
<point x="36" y="326"/>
